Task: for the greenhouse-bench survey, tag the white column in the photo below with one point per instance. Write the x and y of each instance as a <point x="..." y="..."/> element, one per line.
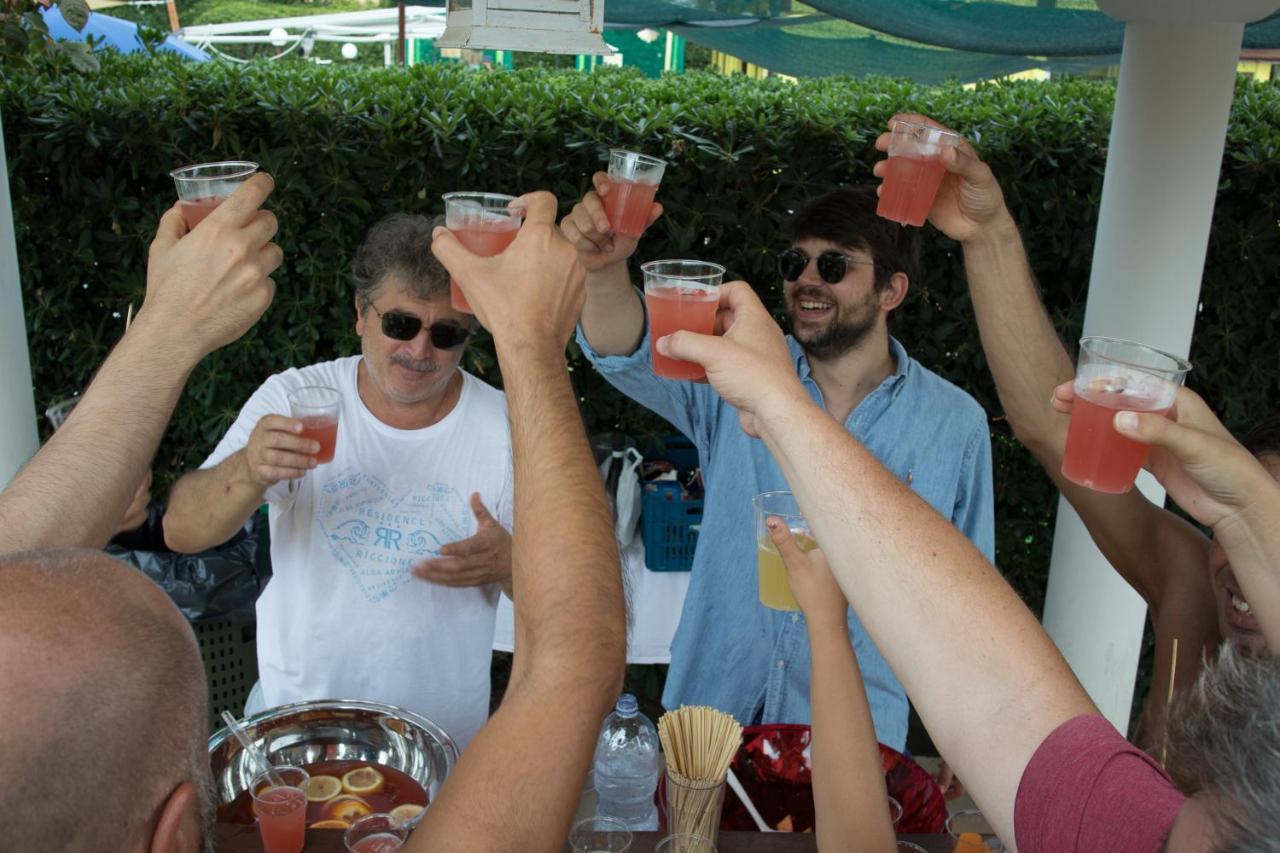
<point x="18" y="436"/>
<point x="1167" y="136"/>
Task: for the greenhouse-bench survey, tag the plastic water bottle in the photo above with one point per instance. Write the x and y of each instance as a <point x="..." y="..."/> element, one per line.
<point x="626" y="766"/>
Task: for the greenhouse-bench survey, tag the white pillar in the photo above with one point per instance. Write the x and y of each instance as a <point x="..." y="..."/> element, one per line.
<point x="1167" y="137"/>
<point x="18" y="436"/>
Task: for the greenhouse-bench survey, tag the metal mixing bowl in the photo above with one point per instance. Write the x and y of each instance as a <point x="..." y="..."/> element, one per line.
<point x="335" y="730"/>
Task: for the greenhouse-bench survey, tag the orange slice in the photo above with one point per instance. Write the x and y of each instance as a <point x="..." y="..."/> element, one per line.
<point x="322" y="789"/>
<point x="330" y="824"/>
<point x="349" y="809"/>
<point x="363" y="781"/>
<point x="407" y="812"/>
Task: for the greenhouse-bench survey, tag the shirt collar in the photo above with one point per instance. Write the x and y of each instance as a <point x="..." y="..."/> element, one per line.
<point x="902" y="362"/>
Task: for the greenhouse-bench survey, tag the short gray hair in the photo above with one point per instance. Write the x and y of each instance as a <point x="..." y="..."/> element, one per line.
<point x="399" y="245"/>
<point x="1224" y="738"/>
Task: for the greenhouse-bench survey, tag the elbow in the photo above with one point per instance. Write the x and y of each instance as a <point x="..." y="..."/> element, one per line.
<point x="177" y="538"/>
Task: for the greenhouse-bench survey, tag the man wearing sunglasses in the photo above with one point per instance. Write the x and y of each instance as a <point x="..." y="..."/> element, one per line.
<point x="386" y="560"/>
<point x="844" y="274"/>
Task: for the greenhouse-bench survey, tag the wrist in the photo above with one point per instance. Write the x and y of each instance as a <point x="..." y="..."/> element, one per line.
<point x="994" y="234"/>
<point x="165" y="342"/>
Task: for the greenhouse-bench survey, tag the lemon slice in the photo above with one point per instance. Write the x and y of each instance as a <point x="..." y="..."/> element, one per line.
<point x="349" y="809"/>
<point x="406" y="813"/>
<point x="363" y="781"/>
<point x="322" y="789"/>
<point x="330" y="824"/>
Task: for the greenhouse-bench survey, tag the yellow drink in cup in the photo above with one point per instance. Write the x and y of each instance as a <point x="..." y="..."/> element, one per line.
<point x="775" y="589"/>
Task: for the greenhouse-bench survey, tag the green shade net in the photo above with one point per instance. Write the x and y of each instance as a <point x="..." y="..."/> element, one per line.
<point x="925" y="40"/>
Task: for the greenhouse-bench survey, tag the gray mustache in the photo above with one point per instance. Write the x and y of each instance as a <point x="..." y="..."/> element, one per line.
<point x="425" y="366"/>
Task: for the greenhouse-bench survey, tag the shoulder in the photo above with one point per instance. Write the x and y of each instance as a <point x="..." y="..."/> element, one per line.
<point x="338" y="373"/>
<point x="481" y="393"/>
<point x="942" y="396"/>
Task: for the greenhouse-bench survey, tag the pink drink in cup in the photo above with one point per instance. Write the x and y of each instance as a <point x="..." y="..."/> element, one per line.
<point x="680" y="295"/>
<point x="376" y="833"/>
<point x="913" y="171"/>
<point x="201" y="188"/>
<point x="1113" y="376"/>
<point x="633" y="182"/>
<point x="281" y="810"/>
<point x="318" y="407"/>
<point x="484" y="223"/>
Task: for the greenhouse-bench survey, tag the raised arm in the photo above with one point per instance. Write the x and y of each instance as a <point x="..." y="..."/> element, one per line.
<point x="849" y="796"/>
<point x="517" y="785"/>
<point x="989" y="700"/>
<point x="204" y="289"/>
<point x="613" y="317"/>
<point x="1159" y="554"/>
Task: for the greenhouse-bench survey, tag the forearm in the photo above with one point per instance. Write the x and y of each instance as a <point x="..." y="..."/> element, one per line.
<point x="75" y="490"/>
<point x="613" y="317"/>
<point x="893" y="555"/>
<point x="207" y="507"/>
<point x="565" y="557"/>
<point x="1251" y="541"/>
<point x="1027" y="360"/>
<point x="849" y="796"/>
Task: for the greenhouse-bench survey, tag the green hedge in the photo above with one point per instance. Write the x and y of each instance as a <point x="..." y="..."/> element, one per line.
<point x="89" y="158"/>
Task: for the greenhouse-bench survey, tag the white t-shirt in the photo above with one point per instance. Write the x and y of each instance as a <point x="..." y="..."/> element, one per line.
<point x="342" y="617"/>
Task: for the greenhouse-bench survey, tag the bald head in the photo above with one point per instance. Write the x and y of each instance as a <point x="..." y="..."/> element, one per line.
<point x="102" y="697"/>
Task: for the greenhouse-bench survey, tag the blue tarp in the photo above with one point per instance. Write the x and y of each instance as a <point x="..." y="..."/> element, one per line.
<point x="116" y="33"/>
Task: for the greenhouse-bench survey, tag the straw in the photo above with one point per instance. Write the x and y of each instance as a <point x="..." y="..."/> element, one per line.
<point x="732" y="779"/>
<point x="1173" y="674"/>
<point x="699" y="743"/>
<point x="250" y="747"/>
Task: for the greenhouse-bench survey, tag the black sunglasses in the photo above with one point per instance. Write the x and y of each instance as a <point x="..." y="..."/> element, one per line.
<point x="405" y="327"/>
<point x="832" y="265"/>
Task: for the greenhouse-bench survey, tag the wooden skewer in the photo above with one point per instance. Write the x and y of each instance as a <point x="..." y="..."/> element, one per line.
<point x="1168" y="701"/>
<point x="128" y="318"/>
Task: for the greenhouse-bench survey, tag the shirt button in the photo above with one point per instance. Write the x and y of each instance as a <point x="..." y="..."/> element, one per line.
<point x="795" y="617"/>
<point x="781" y="664"/>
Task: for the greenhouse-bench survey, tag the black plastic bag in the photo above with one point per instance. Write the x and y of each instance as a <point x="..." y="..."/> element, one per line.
<point x="222" y="582"/>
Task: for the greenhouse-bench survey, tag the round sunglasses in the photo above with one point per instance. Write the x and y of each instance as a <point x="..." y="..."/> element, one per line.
<point x="832" y="265"/>
<point x="405" y="327"/>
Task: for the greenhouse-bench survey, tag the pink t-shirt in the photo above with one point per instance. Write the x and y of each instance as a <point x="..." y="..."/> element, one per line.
<point x="1088" y="790"/>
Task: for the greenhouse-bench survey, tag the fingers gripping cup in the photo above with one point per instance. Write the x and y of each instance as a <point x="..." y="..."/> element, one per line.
<point x="203" y="187"/>
<point x="775" y="589"/>
<point x="913" y="171"/>
<point x="1115" y="375"/>
<point x="680" y="295"/>
<point x="318" y="407"/>
<point x="484" y="223"/>
<point x="633" y="182"/>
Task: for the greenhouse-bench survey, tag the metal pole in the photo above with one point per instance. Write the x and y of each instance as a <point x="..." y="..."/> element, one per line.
<point x="1167" y="136"/>
<point x="18" y="436"/>
<point x="400" y="57"/>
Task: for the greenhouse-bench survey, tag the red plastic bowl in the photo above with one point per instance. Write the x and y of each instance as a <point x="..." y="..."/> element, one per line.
<point x="774" y="768"/>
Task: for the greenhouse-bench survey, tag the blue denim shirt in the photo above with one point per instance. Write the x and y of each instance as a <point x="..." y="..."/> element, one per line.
<point x="730" y="651"/>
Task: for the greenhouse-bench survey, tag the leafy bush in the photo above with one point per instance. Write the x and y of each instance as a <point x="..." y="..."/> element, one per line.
<point x="89" y="160"/>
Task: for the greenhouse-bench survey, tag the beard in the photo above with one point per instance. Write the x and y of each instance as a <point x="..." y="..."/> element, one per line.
<point x="845" y="331"/>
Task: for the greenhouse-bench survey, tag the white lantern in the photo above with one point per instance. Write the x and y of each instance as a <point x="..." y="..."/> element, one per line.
<point x="349" y="50"/>
<point x="541" y="26"/>
<point x="279" y="36"/>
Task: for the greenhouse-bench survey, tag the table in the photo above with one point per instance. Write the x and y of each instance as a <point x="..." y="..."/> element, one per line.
<point x="236" y="838"/>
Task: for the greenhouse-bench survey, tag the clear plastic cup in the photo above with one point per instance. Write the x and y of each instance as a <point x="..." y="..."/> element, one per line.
<point x="679" y="295"/>
<point x="913" y="171"/>
<point x="600" y="835"/>
<point x="318" y="407"/>
<point x="204" y="186"/>
<point x="484" y="223"/>
<point x="633" y="182"/>
<point x="775" y="588"/>
<point x="281" y="809"/>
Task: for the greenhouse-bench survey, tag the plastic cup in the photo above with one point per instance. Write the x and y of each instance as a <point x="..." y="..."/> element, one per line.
<point x="913" y="171"/>
<point x="633" y="182"/>
<point x="60" y="411"/>
<point x="281" y="809"/>
<point x="318" y="407"/>
<point x="895" y="812"/>
<point x="971" y="825"/>
<point x="1115" y="375"/>
<point x="775" y="589"/>
<point x="685" y="842"/>
<point x="600" y="835"/>
<point x="202" y="187"/>
<point x="484" y="223"/>
<point x="693" y="808"/>
<point x="680" y="295"/>
<point x="375" y="833"/>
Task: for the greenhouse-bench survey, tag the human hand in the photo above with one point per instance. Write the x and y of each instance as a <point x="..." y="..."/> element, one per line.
<point x="277" y="451"/>
<point x="947" y="780"/>
<point x="747" y="361"/>
<point x="482" y="558"/>
<point x="969" y="199"/>
<point x="815" y="588"/>
<point x="1202" y="467"/>
<point x="587" y="228"/>
<point x="136" y="515"/>
<point x="528" y="296"/>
